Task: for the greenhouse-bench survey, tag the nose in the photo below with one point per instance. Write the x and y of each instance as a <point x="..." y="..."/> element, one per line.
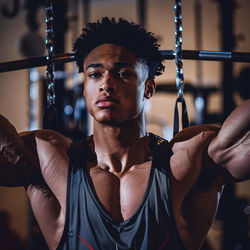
<point x="108" y="83"/>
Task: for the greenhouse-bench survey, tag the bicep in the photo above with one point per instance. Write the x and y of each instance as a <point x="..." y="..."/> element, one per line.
<point x="52" y="150"/>
<point x="190" y="158"/>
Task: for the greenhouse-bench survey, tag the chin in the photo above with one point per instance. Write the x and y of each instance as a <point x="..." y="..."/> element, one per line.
<point x="113" y="121"/>
<point x="117" y="119"/>
<point x="107" y="120"/>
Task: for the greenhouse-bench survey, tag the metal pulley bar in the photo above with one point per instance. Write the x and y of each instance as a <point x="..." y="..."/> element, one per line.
<point x="167" y="55"/>
<point x="35" y="62"/>
<point x="209" y="55"/>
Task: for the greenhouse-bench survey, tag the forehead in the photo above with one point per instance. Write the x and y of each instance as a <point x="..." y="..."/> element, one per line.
<point x="110" y="53"/>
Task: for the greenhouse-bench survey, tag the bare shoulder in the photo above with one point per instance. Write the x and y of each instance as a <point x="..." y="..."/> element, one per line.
<point x="46" y="144"/>
<point x="53" y="138"/>
<point x="192" y="131"/>
<point x="51" y="148"/>
<point x="189" y="151"/>
<point x="193" y="139"/>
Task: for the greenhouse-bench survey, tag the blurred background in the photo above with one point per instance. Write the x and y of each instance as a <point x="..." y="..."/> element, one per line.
<point x="212" y="89"/>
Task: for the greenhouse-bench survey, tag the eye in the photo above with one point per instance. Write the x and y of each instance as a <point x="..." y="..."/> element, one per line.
<point x="124" y="74"/>
<point x="95" y="75"/>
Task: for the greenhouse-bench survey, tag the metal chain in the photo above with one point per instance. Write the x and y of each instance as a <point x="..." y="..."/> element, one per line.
<point x="178" y="49"/>
<point x="179" y="70"/>
<point x="50" y="71"/>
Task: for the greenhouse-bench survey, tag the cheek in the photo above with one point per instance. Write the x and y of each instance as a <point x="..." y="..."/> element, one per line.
<point x="130" y="95"/>
<point x="135" y="98"/>
<point x="89" y="94"/>
<point x="90" y="89"/>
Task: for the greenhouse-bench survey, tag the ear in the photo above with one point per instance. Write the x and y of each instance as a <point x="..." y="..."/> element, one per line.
<point x="149" y="88"/>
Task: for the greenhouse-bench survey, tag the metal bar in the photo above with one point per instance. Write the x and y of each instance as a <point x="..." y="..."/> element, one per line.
<point x="141" y="12"/>
<point x="167" y="55"/>
<point x="35" y="62"/>
<point x="216" y="55"/>
<point x="86" y="11"/>
<point x="198" y="37"/>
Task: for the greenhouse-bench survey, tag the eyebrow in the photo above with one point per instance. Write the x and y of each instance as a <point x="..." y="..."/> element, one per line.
<point x="123" y="64"/>
<point x="95" y="65"/>
<point x="116" y="64"/>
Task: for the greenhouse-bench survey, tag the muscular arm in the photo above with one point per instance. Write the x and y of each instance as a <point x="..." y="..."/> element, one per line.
<point x="231" y="147"/>
<point x="31" y="159"/>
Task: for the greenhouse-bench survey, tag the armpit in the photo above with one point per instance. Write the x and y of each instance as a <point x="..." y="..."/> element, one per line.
<point x="38" y="182"/>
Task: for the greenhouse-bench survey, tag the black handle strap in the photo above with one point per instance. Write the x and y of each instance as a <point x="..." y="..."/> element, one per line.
<point x="50" y="120"/>
<point x="184" y="115"/>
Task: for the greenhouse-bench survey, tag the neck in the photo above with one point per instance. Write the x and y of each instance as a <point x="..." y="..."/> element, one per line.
<point x="119" y="147"/>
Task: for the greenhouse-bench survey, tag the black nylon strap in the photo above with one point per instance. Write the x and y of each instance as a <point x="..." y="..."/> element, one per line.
<point x="184" y="115"/>
<point x="50" y="120"/>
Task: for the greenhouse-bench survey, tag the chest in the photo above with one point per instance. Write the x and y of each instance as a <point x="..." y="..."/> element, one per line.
<point x="120" y="196"/>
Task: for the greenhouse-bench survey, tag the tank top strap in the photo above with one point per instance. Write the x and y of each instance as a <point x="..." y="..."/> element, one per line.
<point x="77" y="153"/>
<point x="162" y="151"/>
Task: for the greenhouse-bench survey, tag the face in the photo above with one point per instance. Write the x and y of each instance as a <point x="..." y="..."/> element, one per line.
<point x="116" y="84"/>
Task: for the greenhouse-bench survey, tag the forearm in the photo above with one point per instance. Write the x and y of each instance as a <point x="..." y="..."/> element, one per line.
<point x="231" y="148"/>
<point x="236" y="126"/>
<point x="15" y="157"/>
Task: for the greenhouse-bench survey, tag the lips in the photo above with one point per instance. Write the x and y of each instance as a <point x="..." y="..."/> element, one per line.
<point x="106" y="101"/>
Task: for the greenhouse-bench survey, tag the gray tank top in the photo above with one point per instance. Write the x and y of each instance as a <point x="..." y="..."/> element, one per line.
<point x="89" y="226"/>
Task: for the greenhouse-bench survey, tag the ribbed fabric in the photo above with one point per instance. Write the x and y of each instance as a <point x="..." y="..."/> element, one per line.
<point x="89" y="226"/>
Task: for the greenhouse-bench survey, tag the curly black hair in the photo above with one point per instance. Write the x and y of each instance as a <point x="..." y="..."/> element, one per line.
<point x="127" y="34"/>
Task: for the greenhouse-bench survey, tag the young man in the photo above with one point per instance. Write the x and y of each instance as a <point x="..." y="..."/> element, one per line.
<point x="112" y="191"/>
